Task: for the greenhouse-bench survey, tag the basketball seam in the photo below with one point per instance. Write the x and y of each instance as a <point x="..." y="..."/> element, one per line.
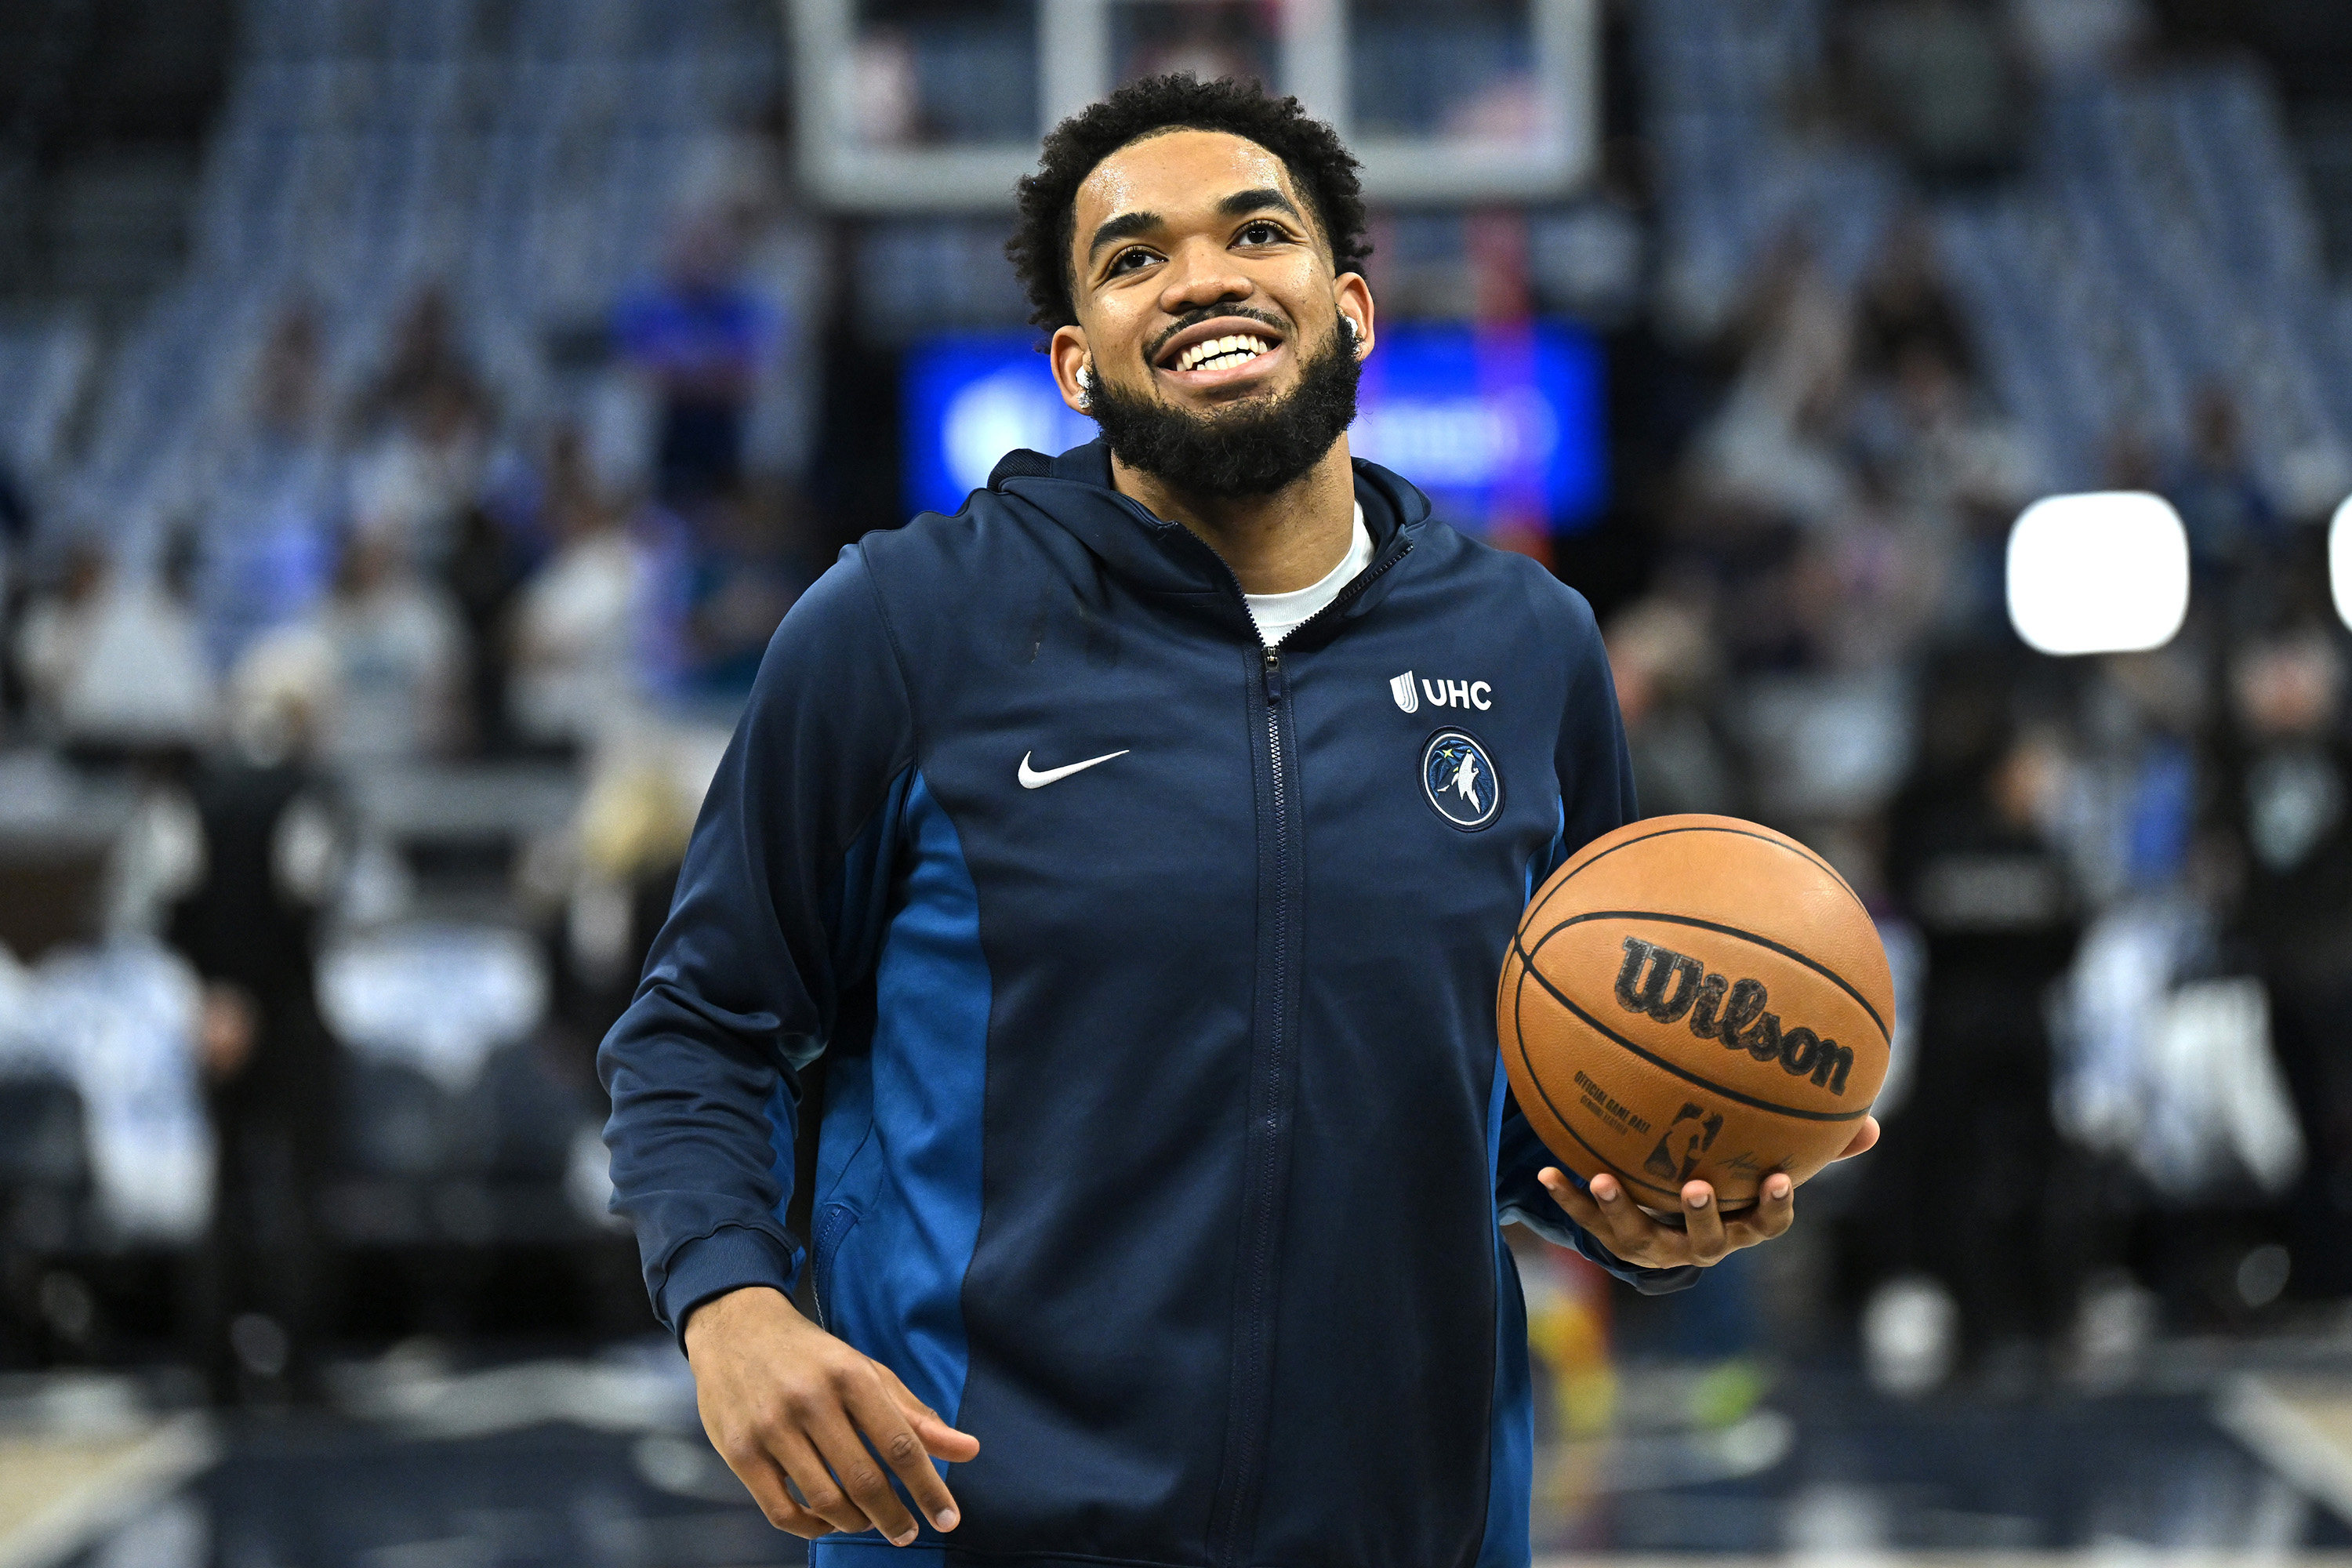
<point x="1527" y="961"/>
<point x="1791" y="845"/>
<point x="1826" y="972"/>
<point x="1557" y="1114"/>
<point x="1612" y="1166"/>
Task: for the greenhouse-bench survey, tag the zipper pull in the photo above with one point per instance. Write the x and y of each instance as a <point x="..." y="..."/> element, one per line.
<point x="1274" y="675"/>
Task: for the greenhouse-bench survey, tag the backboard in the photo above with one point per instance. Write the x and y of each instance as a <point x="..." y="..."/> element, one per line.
<point x="909" y="105"/>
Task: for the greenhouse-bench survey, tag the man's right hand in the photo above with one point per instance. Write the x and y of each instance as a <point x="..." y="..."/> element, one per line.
<point x="781" y="1399"/>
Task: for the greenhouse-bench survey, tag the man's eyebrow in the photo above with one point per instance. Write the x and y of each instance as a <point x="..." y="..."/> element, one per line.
<point x="1265" y="197"/>
<point x="1126" y="226"/>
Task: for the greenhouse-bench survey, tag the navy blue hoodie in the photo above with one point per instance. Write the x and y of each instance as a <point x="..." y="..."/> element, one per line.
<point x="1165" y="1142"/>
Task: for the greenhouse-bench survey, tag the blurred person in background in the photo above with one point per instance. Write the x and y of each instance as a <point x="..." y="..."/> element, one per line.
<point x="483" y="578"/>
<point x="268" y="542"/>
<point x="15" y="512"/>
<point x="743" y="579"/>
<point x="116" y="660"/>
<point x="574" y="636"/>
<point x="2291" y="777"/>
<point x="1970" y="860"/>
<point x="390" y="648"/>
<point x="1775" y="444"/>
<point x="421" y="430"/>
<point x="61" y="619"/>
<point x="15" y="537"/>
<point x="1904" y="305"/>
<point x="1666" y="666"/>
<point x="700" y="334"/>
<point x="2231" y="524"/>
<point x="274" y="844"/>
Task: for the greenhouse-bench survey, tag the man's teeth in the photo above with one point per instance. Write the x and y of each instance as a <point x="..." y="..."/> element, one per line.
<point x="1218" y="353"/>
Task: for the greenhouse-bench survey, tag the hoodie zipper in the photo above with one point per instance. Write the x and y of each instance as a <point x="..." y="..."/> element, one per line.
<point x="1266" y="1155"/>
<point x="1269" y="1152"/>
<point x="1266" y="1152"/>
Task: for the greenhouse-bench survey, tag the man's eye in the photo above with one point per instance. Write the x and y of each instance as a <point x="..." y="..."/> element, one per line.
<point x="1128" y="260"/>
<point x="1261" y="234"/>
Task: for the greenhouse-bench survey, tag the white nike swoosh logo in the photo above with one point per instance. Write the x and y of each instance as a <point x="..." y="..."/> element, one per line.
<point x="1032" y="779"/>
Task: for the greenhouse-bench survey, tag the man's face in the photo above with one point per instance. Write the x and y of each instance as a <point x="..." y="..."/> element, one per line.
<point x="1208" y="306"/>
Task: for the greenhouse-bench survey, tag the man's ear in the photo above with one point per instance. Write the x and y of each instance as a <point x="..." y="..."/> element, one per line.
<point x="1073" y="366"/>
<point x="1353" y="298"/>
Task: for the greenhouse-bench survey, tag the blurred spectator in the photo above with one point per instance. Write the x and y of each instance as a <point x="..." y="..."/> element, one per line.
<point x="744" y="577"/>
<point x="2144" y="784"/>
<point x="1667" y="667"/>
<point x="15" y="535"/>
<point x="1973" y="1154"/>
<point x="1776" y="443"/>
<point x="484" y="574"/>
<point x="424" y="428"/>
<point x="387" y="647"/>
<point x="1905" y="305"/>
<point x="273" y="847"/>
<point x="2293" y="789"/>
<point x="427" y="367"/>
<point x="1940" y="454"/>
<point x="2228" y="519"/>
<point x="116" y="661"/>
<point x="53" y="641"/>
<point x="267" y="546"/>
<point x="576" y="640"/>
<point x="699" y="335"/>
<point x="1866" y="591"/>
<point x="15" y="512"/>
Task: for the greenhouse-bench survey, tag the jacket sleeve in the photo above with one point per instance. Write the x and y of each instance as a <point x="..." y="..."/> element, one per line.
<point x="1596" y="783"/>
<point x="776" y="918"/>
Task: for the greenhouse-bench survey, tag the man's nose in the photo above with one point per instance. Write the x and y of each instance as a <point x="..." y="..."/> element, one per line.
<point x="1210" y="279"/>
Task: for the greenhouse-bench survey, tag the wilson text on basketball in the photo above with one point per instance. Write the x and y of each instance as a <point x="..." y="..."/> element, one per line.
<point x="1669" y="987"/>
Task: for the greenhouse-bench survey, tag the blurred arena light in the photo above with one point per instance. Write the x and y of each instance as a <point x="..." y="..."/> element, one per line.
<point x="2103" y="573"/>
<point x="2339" y="561"/>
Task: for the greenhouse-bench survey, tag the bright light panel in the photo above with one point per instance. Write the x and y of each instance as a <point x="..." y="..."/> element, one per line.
<point x="2107" y="573"/>
<point x="2339" y="561"/>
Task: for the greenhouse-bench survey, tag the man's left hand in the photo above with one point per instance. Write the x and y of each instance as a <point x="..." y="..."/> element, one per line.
<point x="1704" y="1237"/>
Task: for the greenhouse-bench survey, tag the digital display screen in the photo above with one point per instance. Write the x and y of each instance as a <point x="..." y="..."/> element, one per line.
<point x="1496" y="425"/>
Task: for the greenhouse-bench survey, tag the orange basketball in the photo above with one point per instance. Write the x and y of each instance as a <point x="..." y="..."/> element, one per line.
<point x="1694" y="998"/>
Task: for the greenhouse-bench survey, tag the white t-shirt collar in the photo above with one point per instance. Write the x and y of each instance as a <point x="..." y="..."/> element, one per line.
<point x="1277" y="614"/>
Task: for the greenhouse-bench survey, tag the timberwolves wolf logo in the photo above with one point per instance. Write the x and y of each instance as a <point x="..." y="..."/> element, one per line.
<point x="1459" y="780"/>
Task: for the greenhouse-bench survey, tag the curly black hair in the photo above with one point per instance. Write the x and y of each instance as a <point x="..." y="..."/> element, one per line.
<point x="1323" y="169"/>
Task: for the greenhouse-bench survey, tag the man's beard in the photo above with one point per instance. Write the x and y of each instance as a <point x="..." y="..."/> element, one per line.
<point x="1252" y="448"/>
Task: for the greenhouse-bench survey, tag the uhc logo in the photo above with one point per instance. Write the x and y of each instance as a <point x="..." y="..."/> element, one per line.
<point x="1441" y="693"/>
<point x="1676" y="986"/>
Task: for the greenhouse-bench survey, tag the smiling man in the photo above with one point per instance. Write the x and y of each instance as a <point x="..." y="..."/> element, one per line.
<point x="1148" y="919"/>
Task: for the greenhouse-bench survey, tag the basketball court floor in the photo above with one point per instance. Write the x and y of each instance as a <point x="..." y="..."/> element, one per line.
<point x="2220" y="1454"/>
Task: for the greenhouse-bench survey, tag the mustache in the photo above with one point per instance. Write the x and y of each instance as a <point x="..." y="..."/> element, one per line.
<point x="1213" y="313"/>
